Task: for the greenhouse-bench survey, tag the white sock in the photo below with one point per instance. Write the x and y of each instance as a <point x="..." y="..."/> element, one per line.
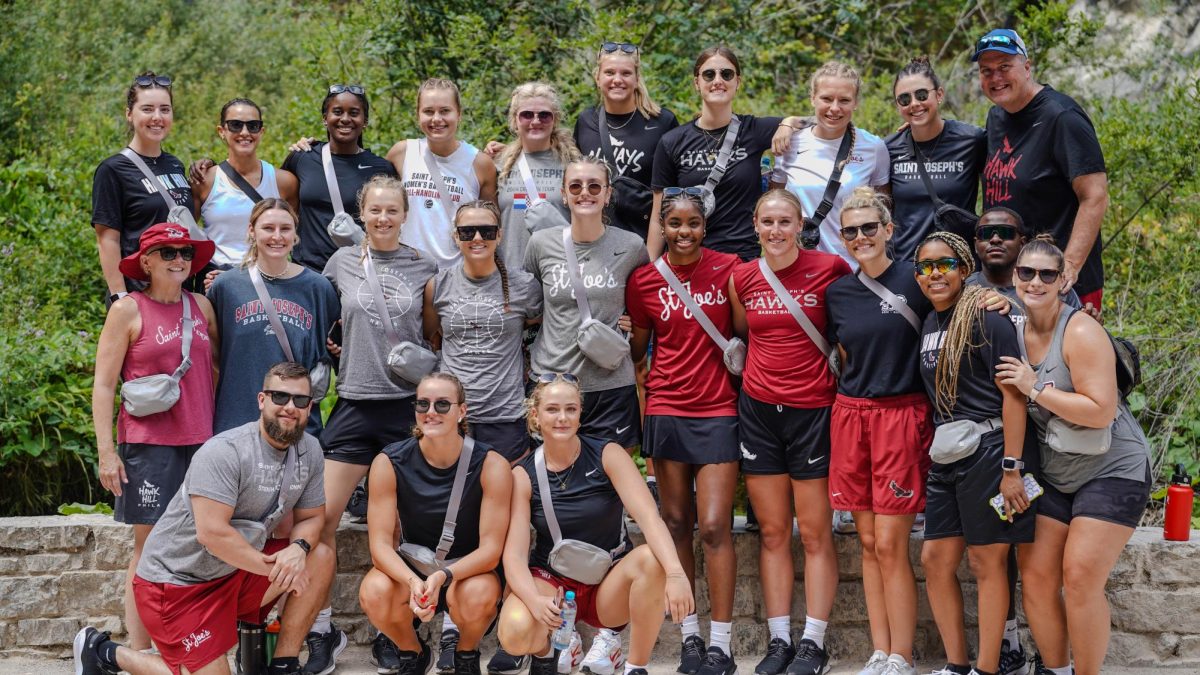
<point x="780" y="627"/>
<point x="612" y="633"/>
<point x="1065" y="670"/>
<point x="1010" y="633"/>
<point x="719" y="633"/>
<point x="321" y="624"/>
<point x="690" y="626"/>
<point x="448" y="623"/>
<point x="814" y="629"/>
<point x="629" y="667"/>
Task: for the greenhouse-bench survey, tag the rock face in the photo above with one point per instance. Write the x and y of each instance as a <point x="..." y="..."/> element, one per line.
<point x="59" y="573"/>
<point x="1134" y="32"/>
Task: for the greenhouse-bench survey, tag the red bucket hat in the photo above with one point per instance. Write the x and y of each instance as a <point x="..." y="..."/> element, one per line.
<point x="166" y="234"/>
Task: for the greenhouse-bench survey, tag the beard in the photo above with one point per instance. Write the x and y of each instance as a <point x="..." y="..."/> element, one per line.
<point x="276" y="431"/>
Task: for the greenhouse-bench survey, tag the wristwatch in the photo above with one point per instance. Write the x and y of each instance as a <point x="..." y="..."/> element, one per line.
<point x="1011" y="464"/>
<point x="116" y="296"/>
<point x="304" y="545"/>
<point x="1037" y="389"/>
<point x="449" y="576"/>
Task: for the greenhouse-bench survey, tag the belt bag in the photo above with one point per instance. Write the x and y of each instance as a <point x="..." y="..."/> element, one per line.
<point x="539" y="213"/>
<point x="734" y="356"/>
<point x="158" y="393"/>
<point x="718" y="171"/>
<point x="422" y="558"/>
<point x="581" y="561"/>
<point x="180" y="215"/>
<point x="947" y="217"/>
<point x="411" y="361"/>
<point x="256" y="532"/>
<point x="599" y="343"/>
<point x="632" y="200"/>
<point x="955" y="440"/>
<point x="320" y="374"/>
<point x="342" y="229"/>
<point x="810" y="232"/>
<point x="733" y="350"/>
<point x="1062" y="436"/>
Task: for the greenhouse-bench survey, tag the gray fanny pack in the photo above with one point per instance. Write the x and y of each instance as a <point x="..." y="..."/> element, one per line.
<point x="405" y="358"/>
<point x="955" y="440"/>
<point x="158" y="393"/>
<point x="721" y="166"/>
<point x="572" y="558"/>
<point x="540" y="214"/>
<point x="180" y="215"/>
<point x="733" y="350"/>
<point x="320" y="374"/>
<point x="256" y="532"/>
<point x="341" y="228"/>
<point x="599" y="343"/>
<point x="421" y="558"/>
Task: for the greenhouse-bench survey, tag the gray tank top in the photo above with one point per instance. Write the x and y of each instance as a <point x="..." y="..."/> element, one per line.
<point x="1127" y="457"/>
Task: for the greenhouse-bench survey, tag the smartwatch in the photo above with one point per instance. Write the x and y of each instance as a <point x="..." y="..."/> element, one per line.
<point x="1033" y="392"/>
<point x="116" y="296"/>
<point x="303" y="545"/>
<point x="1011" y="464"/>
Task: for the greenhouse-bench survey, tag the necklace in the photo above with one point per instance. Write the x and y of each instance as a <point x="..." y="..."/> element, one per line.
<point x="623" y="124"/>
<point x="275" y="277"/>
<point x="559" y="476"/>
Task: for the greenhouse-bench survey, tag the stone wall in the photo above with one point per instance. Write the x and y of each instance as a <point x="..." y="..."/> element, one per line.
<point x="59" y="573"/>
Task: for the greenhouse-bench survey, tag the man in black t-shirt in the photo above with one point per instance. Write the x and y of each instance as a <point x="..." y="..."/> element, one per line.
<point x="1044" y="160"/>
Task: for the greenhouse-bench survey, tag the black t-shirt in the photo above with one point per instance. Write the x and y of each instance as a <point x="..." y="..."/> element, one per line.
<point x="316" y="209"/>
<point x="979" y="396"/>
<point x="686" y="156"/>
<point x="633" y="139"/>
<point x="1033" y="155"/>
<point x="881" y="345"/>
<point x="123" y="198"/>
<point x="954" y="161"/>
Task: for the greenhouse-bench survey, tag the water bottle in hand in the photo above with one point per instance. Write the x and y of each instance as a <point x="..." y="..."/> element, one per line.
<point x="561" y="638"/>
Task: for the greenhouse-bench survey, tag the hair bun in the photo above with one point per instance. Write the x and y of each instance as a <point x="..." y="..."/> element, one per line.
<point x="1045" y="237"/>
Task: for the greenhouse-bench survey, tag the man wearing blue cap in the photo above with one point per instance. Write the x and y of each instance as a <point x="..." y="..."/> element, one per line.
<point x="1044" y="160"/>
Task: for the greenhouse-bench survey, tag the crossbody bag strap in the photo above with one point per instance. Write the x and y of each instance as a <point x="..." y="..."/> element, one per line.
<point x="543" y="480"/>
<point x="435" y="172"/>
<point x="797" y="313"/>
<point x="460" y="481"/>
<point x="722" y="165"/>
<point x="243" y="184"/>
<point x="186" y="338"/>
<point x="335" y="192"/>
<point x="264" y="297"/>
<point x="688" y="301"/>
<point x="289" y="468"/>
<point x="532" y="196"/>
<point x="835" y="179"/>
<point x="585" y="311"/>
<point x="605" y="142"/>
<point x="893" y="300"/>
<point x="920" y="160"/>
<point x="380" y="299"/>
<point x="154" y="182"/>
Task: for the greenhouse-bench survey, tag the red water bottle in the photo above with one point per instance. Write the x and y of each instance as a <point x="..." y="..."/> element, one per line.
<point x="1178" y="523"/>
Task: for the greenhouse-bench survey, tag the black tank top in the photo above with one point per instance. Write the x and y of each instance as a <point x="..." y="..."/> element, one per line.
<point x="588" y="508"/>
<point x="423" y="495"/>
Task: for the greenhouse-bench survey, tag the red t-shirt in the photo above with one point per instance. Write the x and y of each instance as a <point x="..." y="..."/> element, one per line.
<point x="783" y="366"/>
<point x="687" y="376"/>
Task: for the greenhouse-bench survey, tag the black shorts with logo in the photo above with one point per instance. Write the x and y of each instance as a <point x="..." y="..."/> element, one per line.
<point x="613" y="415"/>
<point x="776" y="439"/>
<point x="957" y="498"/>
<point x="155" y="473"/>
<point x="691" y="440"/>
<point x="358" y="430"/>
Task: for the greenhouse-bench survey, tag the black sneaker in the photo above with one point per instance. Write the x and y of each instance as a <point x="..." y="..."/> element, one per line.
<point x="465" y="663"/>
<point x="503" y="663"/>
<point x="385" y="655"/>
<point x="691" y="655"/>
<point x="414" y="663"/>
<point x="653" y="486"/>
<point x="323" y="650"/>
<point x="810" y="660"/>
<point x="537" y="666"/>
<point x="1013" y="661"/>
<point x="751" y="522"/>
<point x="87" y="659"/>
<point x="1036" y="667"/>
<point x="779" y="654"/>
<point x="446" y="647"/>
<point x="357" y="506"/>
<point x="717" y="662"/>
<point x="638" y="671"/>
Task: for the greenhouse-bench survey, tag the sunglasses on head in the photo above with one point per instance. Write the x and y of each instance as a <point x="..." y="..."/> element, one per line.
<point x="942" y="265"/>
<point x="236" y="126"/>
<point x="281" y="398"/>
<point x="990" y="40"/>
<point x="187" y="253"/>
<point x="440" y="406"/>
<point x="868" y="230"/>
<point x="542" y="116"/>
<point x="547" y="378"/>
<point x="693" y="192"/>
<point x="468" y="232"/>
<point x="576" y="188"/>
<point x="987" y="232"/>
<point x="149" y="81"/>
<point x="903" y="100"/>
<point x="1027" y="273"/>
<point x="710" y="74"/>
<point x="356" y="89"/>
<point x="610" y="47"/>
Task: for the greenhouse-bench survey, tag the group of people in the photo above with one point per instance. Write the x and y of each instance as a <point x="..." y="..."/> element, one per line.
<point x="508" y="301"/>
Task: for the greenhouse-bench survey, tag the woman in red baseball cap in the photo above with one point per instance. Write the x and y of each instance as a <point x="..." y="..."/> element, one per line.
<point x="145" y="334"/>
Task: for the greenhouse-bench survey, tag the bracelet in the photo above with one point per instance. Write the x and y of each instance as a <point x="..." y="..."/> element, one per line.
<point x="785" y="124"/>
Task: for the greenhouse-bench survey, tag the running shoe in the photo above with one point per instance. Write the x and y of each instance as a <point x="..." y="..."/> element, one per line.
<point x="691" y="655"/>
<point x="779" y="654"/>
<point x="918" y="526"/>
<point x="947" y="670"/>
<point x="465" y="663"/>
<point x="323" y="650"/>
<point x="1013" y="661"/>
<point x="875" y="664"/>
<point x="414" y="663"/>
<point x="896" y="665"/>
<point x="717" y="662"/>
<point x="87" y="657"/>
<point x="503" y="663"/>
<point x="357" y="506"/>
<point x="605" y="656"/>
<point x="751" y="519"/>
<point x="843" y="523"/>
<point x="543" y="666"/>
<point x="810" y="659"/>
<point x="446" y="647"/>
<point x="385" y="655"/>
<point x="570" y="658"/>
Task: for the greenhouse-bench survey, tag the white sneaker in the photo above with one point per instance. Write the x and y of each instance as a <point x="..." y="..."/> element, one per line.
<point x="875" y="664"/>
<point x="896" y="665"/>
<point x="570" y="658"/>
<point x="605" y="656"/>
<point x="843" y="523"/>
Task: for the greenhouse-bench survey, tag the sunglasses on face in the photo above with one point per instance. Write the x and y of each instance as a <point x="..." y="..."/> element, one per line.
<point x="903" y="100"/>
<point x="727" y="74"/>
<point x="356" y="89"/>
<point x="236" y="126"/>
<point x="542" y="116"/>
<point x="987" y="232"/>
<point x="1028" y="273"/>
<point x="576" y="188"/>
<point x="610" y="47"/>
<point x="942" y="265"/>
<point x="547" y="378"/>
<point x="281" y="398"/>
<point x="148" y="81"/>
<point x="468" y="232"/>
<point x="440" y="406"/>
<point x="187" y="253"/>
<point x="867" y="229"/>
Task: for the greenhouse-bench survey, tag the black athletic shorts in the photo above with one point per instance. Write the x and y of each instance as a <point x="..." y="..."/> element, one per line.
<point x="358" y="430"/>
<point x="777" y="439"/>
<point x="510" y="439"/>
<point x="155" y="473"/>
<point x="1114" y="500"/>
<point x="691" y="440"/>
<point x="613" y="415"/>
<point x="957" y="496"/>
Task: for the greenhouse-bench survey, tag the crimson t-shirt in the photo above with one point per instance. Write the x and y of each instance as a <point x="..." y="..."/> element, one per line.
<point x="783" y="366"/>
<point x="687" y="376"/>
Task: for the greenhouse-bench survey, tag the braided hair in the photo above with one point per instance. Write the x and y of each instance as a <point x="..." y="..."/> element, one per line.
<point x="491" y="208"/>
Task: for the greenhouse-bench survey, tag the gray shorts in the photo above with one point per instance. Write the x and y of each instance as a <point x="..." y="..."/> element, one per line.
<point x="155" y="473"/>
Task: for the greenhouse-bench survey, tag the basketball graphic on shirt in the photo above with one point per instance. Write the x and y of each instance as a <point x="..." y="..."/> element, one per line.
<point x="476" y="324"/>
<point x="395" y="290"/>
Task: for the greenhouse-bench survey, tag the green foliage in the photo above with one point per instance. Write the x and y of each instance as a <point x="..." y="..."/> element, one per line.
<point x="75" y="508"/>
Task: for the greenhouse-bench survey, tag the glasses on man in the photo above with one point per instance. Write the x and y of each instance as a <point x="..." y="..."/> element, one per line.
<point x="168" y="253"/>
<point x="942" y="265"/>
<point x="988" y="232"/>
<point x="903" y="100"/>
<point x="593" y="188"/>
<point x="1048" y="276"/>
<point x="868" y="230"/>
<point x="236" y="126"/>
<point x="281" y="398"/>
<point x="710" y="74"/>
<point x="468" y="232"/>
<point x="440" y="406"/>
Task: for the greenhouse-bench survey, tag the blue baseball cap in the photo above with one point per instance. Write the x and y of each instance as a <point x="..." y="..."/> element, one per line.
<point x="1003" y="40"/>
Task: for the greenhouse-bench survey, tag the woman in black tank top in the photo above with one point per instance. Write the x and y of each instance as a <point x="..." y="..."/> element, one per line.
<point x="590" y="481"/>
<point x="411" y="482"/>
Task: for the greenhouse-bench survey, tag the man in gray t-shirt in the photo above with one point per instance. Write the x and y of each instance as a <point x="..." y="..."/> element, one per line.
<point x="210" y="562"/>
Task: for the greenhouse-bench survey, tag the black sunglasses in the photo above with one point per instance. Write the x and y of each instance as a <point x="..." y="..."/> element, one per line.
<point x="727" y="74"/>
<point x="903" y="100"/>
<point x="576" y="188"/>
<point x="987" y="232"/>
<point x="942" y="265"/>
<point x="547" y="378"/>
<point x="867" y="229"/>
<point x="1047" y="276"/>
<point x="693" y="192"/>
<point x="236" y="126"/>
<point x="468" y="232"/>
<point x="543" y="116"/>
<point x="148" y="81"/>
<point x="281" y="398"/>
<point x="356" y="89"/>
<point x="440" y="406"/>
<point x="610" y="47"/>
<point x="187" y="253"/>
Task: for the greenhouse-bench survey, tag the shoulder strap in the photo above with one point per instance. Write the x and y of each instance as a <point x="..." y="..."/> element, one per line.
<point x="797" y="313"/>
<point x="718" y="171"/>
<point x="243" y="184"/>
<point x="335" y="192"/>
<point x="154" y="182"/>
<point x="460" y="480"/>
<point x="543" y="480"/>
<point x="289" y="468"/>
<point x="186" y="338"/>
<point x="920" y="160"/>
<point x="688" y="301"/>
<point x="585" y="312"/>
<point x="380" y="299"/>
<point x="891" y="299"/>
<point x="272" y="314"/>
<point x="435" y="172"/>
<point x="532" y="196"/>
<point x="835" y="178"/>
<point x="605" y="142"/>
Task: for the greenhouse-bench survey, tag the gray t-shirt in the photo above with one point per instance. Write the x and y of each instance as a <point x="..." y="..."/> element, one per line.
<point x="605" y="266"/>
<point x="237" y="468"/>
<point x="547" y="173"/>
<point x="481" y="341"/>
<point x="363" y="373"/>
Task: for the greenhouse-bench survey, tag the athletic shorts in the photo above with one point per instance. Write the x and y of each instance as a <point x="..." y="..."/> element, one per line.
<point x="510" y="439"/>
<point x="585" y="595"/>
<point x="957" y="497"/>
<point x="879" y="453"/>
<point x="1113" y="500"/>
<point x="777" y="439"/>
<point x="358" y="430"/>
<point x="1095" y="297"/>
<point x="691" y="440"/>
<point x="194" y="625"/>
<point x="155" y="473"/>
<point x="613" y="415"/>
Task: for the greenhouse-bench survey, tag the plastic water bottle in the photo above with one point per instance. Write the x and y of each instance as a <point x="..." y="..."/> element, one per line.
<point x="561" y="639"/>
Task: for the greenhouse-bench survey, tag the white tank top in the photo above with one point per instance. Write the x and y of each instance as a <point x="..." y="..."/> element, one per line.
<point x="428" y="227"/>
<point x="226" y="214"/>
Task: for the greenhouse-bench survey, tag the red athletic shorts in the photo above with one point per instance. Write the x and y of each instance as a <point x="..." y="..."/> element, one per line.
<point x="585" y="595"/>
<point x="879" y="453"/>
<point x="194" y="625"/>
